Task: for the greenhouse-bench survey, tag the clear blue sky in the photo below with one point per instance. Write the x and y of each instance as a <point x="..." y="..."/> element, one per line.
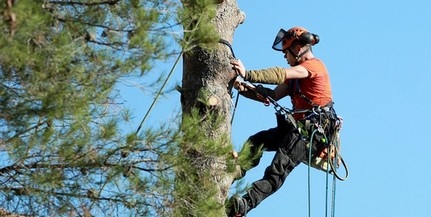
<point x="377" y="56"/>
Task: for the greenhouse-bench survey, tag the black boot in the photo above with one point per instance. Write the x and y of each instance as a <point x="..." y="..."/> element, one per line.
<point x="239" y="207"/>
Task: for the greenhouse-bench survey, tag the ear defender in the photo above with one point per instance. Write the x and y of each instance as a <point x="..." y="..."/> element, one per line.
<point x="309" y="38"/>
<point x="316" y="39"/>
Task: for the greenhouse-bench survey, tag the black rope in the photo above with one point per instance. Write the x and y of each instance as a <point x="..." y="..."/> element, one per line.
<point x="225" y="42"/>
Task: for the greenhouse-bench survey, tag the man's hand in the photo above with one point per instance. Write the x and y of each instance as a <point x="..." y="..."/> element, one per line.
<point x="240" y="85"/>
<point x="238" y="67"/>
<point x="264" y="94"/>
<point x="244" y="86"/>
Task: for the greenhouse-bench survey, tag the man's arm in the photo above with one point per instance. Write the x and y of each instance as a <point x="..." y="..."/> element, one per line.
<point x="295" y="72"/>
<point x="274" y="75"/>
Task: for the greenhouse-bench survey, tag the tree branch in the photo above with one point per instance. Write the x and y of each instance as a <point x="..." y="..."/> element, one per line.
<point x="109" y="2"/>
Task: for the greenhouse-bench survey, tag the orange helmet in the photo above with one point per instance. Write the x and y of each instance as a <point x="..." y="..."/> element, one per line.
<point x="284" y="39"/>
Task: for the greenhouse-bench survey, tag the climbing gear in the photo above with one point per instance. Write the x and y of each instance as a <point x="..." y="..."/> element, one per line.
<point x="325" y="126"/>
<point x="294" y="89"/>
<point x="160" y="92"/>
<point x="280" y="110"/>
<point x="263" y="93"/>
<point x="333" y="156"/>
<point x="327" y="158"/>
<point x="225" y="42"/>
<point x="284" y="39"/>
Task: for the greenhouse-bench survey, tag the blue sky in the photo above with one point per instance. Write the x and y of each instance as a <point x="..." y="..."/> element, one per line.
<point x="377" y="56"/>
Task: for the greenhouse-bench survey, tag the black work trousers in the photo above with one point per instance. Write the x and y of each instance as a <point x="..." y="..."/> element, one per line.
<point x="290" y="150"/>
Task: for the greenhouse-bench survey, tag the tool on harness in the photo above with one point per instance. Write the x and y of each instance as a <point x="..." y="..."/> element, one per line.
<point x="327" y="158"/>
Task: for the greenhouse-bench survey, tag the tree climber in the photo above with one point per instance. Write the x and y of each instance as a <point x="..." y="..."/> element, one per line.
<point x="308" y="85"/>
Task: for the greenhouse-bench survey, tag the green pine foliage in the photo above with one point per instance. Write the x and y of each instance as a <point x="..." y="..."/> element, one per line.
<point x="196" y="17"/>
<point x="63" y="150"/>
<point x="197" y="163"/>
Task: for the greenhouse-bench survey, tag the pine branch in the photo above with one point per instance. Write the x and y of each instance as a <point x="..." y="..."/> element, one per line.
<point x="109" y="2"/>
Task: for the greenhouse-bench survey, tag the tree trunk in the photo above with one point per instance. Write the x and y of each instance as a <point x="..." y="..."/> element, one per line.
<point x="206" y="86"/>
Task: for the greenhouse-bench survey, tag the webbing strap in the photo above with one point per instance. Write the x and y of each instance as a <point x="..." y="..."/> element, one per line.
<point x="294" y="88"/>
<point x="297" y="57"/>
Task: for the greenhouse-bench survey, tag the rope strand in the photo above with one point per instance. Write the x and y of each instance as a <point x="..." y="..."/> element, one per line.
<point x="327" y="178"/>
<point x="309" y="171"/>
<point x="159" y="93"/>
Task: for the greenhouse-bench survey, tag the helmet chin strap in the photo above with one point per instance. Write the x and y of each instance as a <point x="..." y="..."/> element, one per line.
<point x="299" y="56"/>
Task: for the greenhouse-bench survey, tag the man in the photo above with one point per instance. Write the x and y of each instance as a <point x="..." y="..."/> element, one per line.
<point x="307" y="83"/>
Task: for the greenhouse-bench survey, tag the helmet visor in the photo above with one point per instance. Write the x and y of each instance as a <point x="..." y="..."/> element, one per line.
<point x="278" y="41"/>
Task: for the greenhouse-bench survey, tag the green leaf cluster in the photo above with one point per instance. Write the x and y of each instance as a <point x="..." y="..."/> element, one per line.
<point x="63" y="147"/>
<point x="201" y="157"/>
<point x="196" y="17"/>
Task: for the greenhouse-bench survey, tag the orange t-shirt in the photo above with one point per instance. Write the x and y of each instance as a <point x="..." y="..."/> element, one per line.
<point x="316" y="87"/>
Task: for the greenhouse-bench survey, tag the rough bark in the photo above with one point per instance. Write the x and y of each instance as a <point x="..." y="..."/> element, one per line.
<point x="207" y="85"/>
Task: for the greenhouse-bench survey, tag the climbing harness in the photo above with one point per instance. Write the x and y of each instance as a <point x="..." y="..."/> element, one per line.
<point x="327" y="159"/>
<point x="294" y="89"/>
<point x="332" y="149"/>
